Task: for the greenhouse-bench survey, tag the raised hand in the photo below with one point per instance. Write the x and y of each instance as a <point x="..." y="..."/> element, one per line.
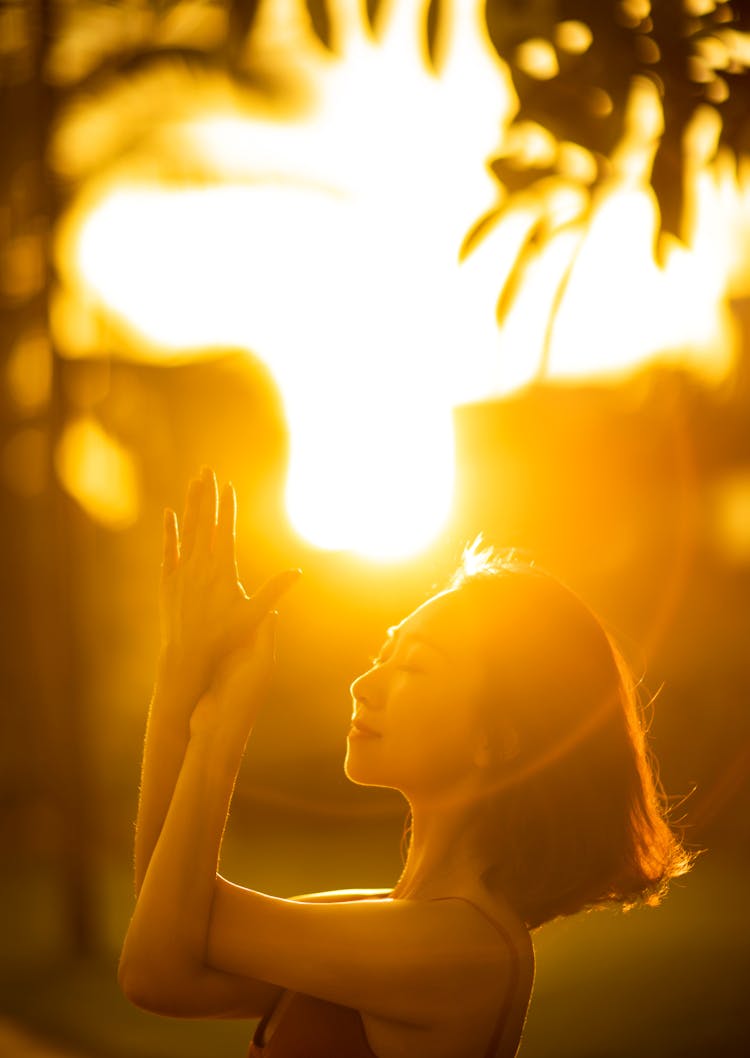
<point x="227" y="711"/>
<point x="206" y="613"/>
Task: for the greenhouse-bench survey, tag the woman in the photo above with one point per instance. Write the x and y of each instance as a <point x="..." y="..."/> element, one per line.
<point x="499" y="708"/>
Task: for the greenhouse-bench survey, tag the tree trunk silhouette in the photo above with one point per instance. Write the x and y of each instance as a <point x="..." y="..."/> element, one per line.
<point x="48" y="767"/>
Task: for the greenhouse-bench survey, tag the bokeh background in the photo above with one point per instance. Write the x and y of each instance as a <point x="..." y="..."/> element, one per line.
<point x="403" y="273"/>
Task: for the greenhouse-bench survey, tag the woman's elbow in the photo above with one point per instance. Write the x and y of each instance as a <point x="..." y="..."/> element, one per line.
<point x="141" y="974"/>
<point x="145" y="987"/>
<point x="135" y="985"/>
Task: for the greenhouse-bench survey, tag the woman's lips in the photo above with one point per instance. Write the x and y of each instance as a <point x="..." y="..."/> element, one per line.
<point x="360" y="730"/>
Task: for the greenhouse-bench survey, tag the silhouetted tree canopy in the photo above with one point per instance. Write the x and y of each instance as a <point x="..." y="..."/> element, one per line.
<point x="693" y="50"/>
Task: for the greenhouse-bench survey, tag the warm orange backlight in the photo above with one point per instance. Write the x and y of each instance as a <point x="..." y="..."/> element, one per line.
<point x="327" y="240"/>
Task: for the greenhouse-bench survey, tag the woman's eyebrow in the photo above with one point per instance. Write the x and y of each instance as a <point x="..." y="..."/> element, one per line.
<point x="416" y="637"/>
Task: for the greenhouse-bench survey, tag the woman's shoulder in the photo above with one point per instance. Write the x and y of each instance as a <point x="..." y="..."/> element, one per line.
<point x="479" y="930"/>
<point x="489" y="981"/>
<point x="503" y="991"/>
<point x="492" y="906"/>
<point x="509" y="924"/>
<point x="338" y="896"/>
<point x="498" y="909"/>
<point x="505" y="933"/>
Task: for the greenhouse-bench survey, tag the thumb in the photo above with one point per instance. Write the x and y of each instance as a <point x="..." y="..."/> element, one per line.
<point x="266" y="636"/>
<point x="248" y="669"/>
<point x="271" y="591"/>
<point x="262" y="654"/>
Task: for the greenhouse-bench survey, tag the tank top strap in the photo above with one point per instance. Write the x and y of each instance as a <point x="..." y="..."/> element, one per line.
<point x="515" y="973"/>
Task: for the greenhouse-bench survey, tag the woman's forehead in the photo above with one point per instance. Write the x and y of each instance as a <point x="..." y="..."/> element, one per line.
<point x="440" y="618"/>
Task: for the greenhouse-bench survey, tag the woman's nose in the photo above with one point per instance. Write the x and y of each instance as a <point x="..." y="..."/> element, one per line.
<point x="362" y="689"/>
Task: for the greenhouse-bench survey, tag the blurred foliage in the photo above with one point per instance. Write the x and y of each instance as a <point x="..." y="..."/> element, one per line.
<point x="695" y="51"/>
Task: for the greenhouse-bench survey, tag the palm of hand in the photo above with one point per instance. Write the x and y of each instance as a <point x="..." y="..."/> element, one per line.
<point x="206" y="614"/>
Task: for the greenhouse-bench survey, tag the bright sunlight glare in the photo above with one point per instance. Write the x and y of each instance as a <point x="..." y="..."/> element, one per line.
<point x="331" y="242"/>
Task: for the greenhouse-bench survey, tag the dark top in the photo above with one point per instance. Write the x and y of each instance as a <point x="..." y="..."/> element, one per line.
<point x="315" y="1028"/>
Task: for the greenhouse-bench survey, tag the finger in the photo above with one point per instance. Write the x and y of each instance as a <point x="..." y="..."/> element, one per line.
<point x="204" y="533"/>
<point x="190" y="516"/>
<point x="226" y="531"/>
<point x="171" y="552"/>
<point x="267" y="635"/>
<point x="266" y="597"/>
<point x="262" y="647"/>
<point x="248" y="670"/>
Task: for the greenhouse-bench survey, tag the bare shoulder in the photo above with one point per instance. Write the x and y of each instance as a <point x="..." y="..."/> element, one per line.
<point x="337" y="896"/>
<point x="498" y="908"/>
<point x="503" y="931"/>
<point x="514" y="932"/>
<point x="482" y="990"/>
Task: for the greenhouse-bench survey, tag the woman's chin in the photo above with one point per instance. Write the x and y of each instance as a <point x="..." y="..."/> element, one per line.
<point x="354" y="773"/>
<point x="357" y="771"/>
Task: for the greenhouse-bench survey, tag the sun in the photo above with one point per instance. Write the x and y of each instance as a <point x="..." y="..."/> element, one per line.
<point x="327" y="235"/>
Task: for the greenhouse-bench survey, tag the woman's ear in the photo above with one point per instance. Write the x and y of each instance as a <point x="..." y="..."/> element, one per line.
<point x="482" y="755"/>
<point x="507" y="747"/>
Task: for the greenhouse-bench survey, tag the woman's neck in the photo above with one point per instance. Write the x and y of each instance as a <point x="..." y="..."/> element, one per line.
<point x="444" y="854"/>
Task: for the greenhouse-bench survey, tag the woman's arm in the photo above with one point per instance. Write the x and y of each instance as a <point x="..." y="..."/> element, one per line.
<point x="204" y="611"/>
<point x="166" y="740"/>
<point x="163" y="963"/>
<point x="176" y="689"/>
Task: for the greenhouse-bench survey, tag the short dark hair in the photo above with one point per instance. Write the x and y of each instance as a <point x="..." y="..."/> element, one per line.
<point x="578" y="818"/>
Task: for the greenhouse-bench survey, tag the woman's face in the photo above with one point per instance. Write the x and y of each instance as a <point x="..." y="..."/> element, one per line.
<point x="419" y="699"/>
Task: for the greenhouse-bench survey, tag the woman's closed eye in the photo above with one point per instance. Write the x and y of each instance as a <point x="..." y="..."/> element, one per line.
<point x="408" y="663"/>
<point x="406" y="653"/>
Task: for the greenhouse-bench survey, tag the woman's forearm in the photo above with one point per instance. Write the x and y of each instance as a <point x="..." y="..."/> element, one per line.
<point x="176" y="690"/>
<point x="168" y="933"/>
